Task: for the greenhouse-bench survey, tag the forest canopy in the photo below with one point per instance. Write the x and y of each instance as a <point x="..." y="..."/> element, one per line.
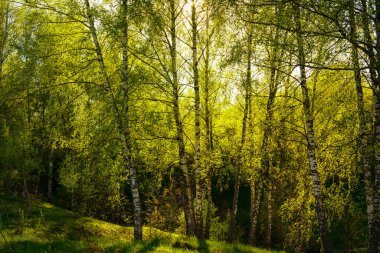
<point x="253" y="121"/>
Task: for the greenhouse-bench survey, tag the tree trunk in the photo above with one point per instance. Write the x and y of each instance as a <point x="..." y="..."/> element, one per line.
<point x="362" y="140"/>
<point x="311" y="146"/>
<point x="123" y="132"/>
<point x="264" y="173"/>
<point x="375" y="218"/>
<point x="269" y="216"/>
<point x="198" y="169"/>
<point x="374" y="70"/>
<point x="185" y="181"/>
<point x="248" y="87"/>
<point x="208" y="125"/>
<point x="209" y="204"/>
<point x="50" y="177"/>
<point x="376" y="91"/>
<point x="251" y="165"/>
<point x="127" y="130"/>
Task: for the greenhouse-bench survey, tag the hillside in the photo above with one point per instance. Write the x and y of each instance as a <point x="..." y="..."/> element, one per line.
<point x="48" y="228"/>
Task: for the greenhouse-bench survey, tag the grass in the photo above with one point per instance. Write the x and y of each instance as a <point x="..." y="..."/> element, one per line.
<point x="51" y="229"/>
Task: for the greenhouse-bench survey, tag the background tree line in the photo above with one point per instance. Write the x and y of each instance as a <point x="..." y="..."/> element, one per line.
<point x="250" y="120"/>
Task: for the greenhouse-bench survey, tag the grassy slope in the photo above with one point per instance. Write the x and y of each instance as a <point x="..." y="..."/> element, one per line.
<point x="52" y="229"/>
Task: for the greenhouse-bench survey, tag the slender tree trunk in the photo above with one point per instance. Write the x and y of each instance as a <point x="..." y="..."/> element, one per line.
<point x="255" y="205"/>
<point x="252" y="215"/>
<point x="198" y="169"/>
<point x="264" y="163"/>
<point x="251" y="163"/>
<point x="362" y="141"/>
<point x="38" y="182"/>
<point x="209" y="204"/>
<point x="261" y="181"/>
<point x="248" y="84"/>
<point x="374" y="70"/>
<point x="376" y="91"/>
<point x="27" y="141"/>
<point x="185" y="181"/>
<point x="50" y="177"/>
<point x="127" y="131"/>
<point x="26" y="192"/>
<point x="123" y="132"/>
<point x="377" y="171"/>
<point x="252" y="180"/>
<point x="208" y="120"/>
<point x="311" y="147"/>
<point x="186" y="188"/>
<point x="369" y="43"/>
<point x="269" y="216"/>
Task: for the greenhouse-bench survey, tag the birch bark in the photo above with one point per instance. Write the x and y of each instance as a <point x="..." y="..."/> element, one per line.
<point x="124" y="131"/>
<point x="362" y="141"/>
<point x="185" y="181"/>
<point x="248" y="87"/>
<point x="311" y="146"/>
<point x="198" y="169"/>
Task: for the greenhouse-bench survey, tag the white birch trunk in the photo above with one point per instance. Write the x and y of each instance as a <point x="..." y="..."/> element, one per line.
<point x="311" y="147"/>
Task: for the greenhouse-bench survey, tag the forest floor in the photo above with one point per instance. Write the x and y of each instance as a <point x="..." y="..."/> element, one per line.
<point x="48" y="228"/>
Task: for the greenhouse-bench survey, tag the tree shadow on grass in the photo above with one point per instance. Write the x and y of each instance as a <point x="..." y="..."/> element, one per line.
<point x="236" y="249"/>
<point x="68" y="246"/>
<point x="150" y="245"/>
<point x="37" y="247"/>
<point x="203" y="247"/>
<point x="138" y="247"/>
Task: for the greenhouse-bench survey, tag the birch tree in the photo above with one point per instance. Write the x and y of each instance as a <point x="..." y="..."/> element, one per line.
<point x="309" y="123"/>
<point x="124" y="131"/>
<point x="362" y="138"/>
<point x="265" y="160"/>
<point x="198" y="170"/>
<point x="247" y="88"/>
<point x="163" y="59"/>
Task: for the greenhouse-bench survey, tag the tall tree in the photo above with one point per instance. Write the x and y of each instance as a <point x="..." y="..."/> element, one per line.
<point x="267" y="131"/>
<point x="362" y="138"/>
<point x="163" y="59"/>
<point x="240" y="158"/>
<point x="374" y="69"/>
<point x="309" y="123"/>
<point x="208" y="123"/>
<point x="198" y="170"/>
<point x="124" y="131"/>
<point x="188" y="197"/>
